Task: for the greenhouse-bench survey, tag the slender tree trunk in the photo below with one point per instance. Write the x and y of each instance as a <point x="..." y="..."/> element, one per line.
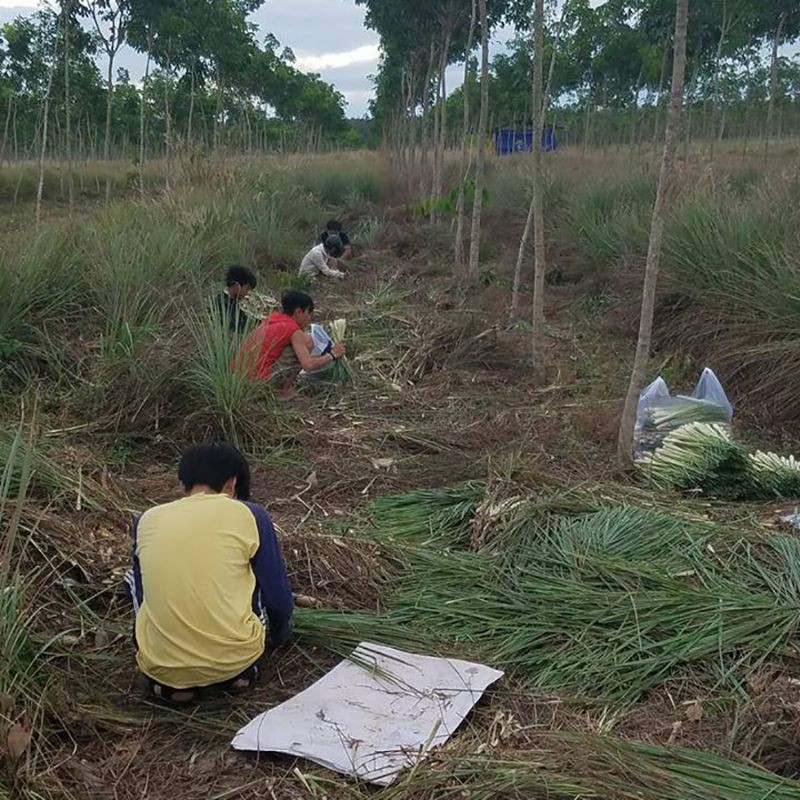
<point x="191" y="108"/>
<point x="217" y="111"/>
<point x="539" y="264"/>
<point x="426" y="105"/>
<point x="43" y="145"/>
<point x="168" y="123"/>
<point x="437" y="124"/>
<point x="687" y="139"/>
<point x="109" y="102"/>
<point x="773" y="82"/>
<point x="67" y="7"/>
<point x="723" y="32"/>
<point x="442" y="143"/>
<point x="480" y="166"/>
<point x="6" y="127"/>
<point x="142" y="146"/>
<point x="664" y="197"/>
<point x="587" y="121"/>
<point x="462" y="173"/>
<point x="526" y="233"/>
<point x="661" y="79"/>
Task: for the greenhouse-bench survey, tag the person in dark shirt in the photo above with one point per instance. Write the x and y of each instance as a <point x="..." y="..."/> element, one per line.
<point x="239" y="282"/>
<point x="334" y="228"/>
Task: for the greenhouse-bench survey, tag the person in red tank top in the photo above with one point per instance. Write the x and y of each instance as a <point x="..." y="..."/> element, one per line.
<point x="283" y="329"/>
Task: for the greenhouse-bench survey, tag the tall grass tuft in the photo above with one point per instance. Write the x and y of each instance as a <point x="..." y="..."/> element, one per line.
<point x="22" y="655"/>
<point x="219" y="378"/>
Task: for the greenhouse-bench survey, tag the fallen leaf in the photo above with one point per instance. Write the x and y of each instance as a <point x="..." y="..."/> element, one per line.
<point x="101" y="639"/>
<point x="17" y="741"/>
<point x="6" y="702"/>
<point x="383" y="463"/>
<point x="312" y="481"/>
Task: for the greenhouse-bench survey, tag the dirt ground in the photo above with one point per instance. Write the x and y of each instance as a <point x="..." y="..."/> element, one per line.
<point x="443" y="393"/>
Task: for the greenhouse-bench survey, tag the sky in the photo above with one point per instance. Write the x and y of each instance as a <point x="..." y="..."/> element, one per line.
<point x="327" y="36"/>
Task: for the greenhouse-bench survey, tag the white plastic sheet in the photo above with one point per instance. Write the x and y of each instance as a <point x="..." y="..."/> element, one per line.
<point x="373" y="715"/>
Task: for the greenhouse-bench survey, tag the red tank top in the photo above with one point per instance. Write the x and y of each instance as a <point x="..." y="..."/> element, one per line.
<point x="263" y="347"/>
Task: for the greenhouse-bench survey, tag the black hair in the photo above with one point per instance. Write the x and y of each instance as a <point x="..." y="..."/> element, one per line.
<point x="244" y="276"/>
<point x="333" y="245"/>
<point x="334" y="226"/>
<point x="214" y="465"/>
<point x="293" y="301"/>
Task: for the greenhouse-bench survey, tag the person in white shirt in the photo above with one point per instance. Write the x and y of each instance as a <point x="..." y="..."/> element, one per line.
<point x="322" y="259"/>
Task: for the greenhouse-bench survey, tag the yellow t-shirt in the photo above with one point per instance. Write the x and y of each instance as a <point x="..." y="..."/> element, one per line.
<point x="196" y="625"/>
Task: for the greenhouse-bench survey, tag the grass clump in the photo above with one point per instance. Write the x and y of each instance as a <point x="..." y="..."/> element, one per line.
<point x="219" y="377"/>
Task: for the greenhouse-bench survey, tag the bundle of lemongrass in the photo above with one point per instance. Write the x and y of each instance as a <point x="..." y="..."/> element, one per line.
<point x="704" y="457"/>
<point x="340" y="370"/>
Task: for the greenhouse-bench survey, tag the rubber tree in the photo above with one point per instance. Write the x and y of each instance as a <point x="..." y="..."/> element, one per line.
<point x="482" y="132"/>
<point x="110" y="19"/>
<point x="539" y="258"/>
<point x="464" y="166"/>
<point x="778" y="23"/>
<point x="526" y="232"/>
<point x="663" y="202"/>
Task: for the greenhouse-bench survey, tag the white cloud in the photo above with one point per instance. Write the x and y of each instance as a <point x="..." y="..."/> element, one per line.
<point x="368" y="54"/>
<point x="27" y="4"/>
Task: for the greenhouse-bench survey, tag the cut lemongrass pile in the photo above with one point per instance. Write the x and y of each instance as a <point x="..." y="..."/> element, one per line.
<point x="258" y="305"/>
<point x="704" y="457"/>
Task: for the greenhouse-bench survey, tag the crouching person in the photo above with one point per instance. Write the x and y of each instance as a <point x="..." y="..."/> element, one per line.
<point x="208" y="580"/>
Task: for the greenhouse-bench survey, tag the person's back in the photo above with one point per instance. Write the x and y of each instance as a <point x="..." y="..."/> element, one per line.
<point x="196" y="626"/>
<point x="207" y="569"/>
<point x="265" y="345"/>
<point x="321" y="259"/>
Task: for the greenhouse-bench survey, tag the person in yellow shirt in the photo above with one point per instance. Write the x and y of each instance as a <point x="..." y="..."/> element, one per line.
<point x="208" y="577"/>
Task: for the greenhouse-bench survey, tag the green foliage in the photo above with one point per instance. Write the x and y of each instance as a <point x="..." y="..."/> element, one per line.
<point x="219" y="378"/>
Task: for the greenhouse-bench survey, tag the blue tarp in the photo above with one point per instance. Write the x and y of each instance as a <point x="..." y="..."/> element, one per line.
<point x="509" y="140"/>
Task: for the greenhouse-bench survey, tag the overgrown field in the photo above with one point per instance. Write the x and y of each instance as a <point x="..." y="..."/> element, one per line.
<point x="441" y="502"/>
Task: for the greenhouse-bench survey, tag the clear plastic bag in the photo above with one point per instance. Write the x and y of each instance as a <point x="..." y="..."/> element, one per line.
<point x="321" y="339"/>
<point x="660" y="412"/>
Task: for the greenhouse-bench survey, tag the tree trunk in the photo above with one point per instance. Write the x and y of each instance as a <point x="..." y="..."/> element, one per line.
<point x="6" y="127"/>
<point x="773" y="82"/>
<point x="477" y="205"/>
<point x="217" y="111"/>
<point x="526" y="233"/>
<point x="587" y="122"/>
<point x="437" y="124"/>
<point x="442" y="143"/>
<point x="67" y="7"/>
<point x="43" y="148"/>
<point x="142" y="148"/>
<point x="723" y="32"/>
<point x="191" y="108"/>
<point x="661" y="78"/>
<point x="664" y="197"/>
<point x="168" y="123"/>
<point x="426" y="104"/>
<point x="463" y="170"/>
<point x="109" y="102"/>
<point x="539" y="263"/>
